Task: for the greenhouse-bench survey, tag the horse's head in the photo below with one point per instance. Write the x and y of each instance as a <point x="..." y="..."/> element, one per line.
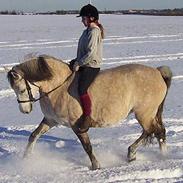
<point x="22" y="90"/>
<point x="22" y="78"/>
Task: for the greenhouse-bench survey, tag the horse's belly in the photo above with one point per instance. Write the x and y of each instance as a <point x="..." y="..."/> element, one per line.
<point x="110" y="116"/>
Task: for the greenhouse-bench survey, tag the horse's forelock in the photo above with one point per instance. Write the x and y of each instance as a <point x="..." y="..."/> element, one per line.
<point x="35" y="70"/>
<point x="10" y="78"/>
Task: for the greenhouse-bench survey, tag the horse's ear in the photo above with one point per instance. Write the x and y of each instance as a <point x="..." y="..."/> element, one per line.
<point x="15" y="75"/>
<point x="7" y="69"/>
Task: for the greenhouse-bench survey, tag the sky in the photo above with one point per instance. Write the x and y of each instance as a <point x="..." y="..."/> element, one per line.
<point x="52" y="5"/>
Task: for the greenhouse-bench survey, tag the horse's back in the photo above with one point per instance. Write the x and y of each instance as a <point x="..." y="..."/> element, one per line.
<point x="119" y="90"/>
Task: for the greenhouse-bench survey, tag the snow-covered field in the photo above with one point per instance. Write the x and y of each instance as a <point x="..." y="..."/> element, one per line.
<point x="58" y="156"/>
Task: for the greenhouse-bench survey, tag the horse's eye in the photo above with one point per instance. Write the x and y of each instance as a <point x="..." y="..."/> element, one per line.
<point x="22" y="91"/>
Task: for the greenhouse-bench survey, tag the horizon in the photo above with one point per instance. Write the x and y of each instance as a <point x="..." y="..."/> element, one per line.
<point x="78" y="10"/>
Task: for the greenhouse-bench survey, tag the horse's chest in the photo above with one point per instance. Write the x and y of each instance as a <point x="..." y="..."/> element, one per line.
<point x="55" y="110"/>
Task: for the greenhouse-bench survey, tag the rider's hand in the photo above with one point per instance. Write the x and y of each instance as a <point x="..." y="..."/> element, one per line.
<point x="75" y="66"/>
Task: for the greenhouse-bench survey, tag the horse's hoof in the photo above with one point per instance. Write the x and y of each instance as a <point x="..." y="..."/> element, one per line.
<point x="95" y="166"/>
<point x="131" y="159"/>
<point x="163" y="149"/>
<point x="27" y="154"/>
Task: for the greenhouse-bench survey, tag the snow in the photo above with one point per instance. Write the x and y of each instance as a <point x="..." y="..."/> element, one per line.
<point x="58" y="155"/>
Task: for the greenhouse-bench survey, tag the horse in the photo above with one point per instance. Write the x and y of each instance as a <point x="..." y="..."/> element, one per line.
<point x="115" y="93"/>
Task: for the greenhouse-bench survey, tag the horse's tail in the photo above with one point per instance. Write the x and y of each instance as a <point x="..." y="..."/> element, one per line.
<point x="166" y="73"/>
<point x="167" y="76"/>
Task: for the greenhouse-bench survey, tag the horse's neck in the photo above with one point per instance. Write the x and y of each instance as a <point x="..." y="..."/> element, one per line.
<point x="60" y="71"/>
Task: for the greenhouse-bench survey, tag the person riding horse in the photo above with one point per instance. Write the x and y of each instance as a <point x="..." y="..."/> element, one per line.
<point x="89" y="58"/>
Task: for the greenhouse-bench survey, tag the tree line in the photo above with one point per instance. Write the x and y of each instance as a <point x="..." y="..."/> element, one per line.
<point x="163" y="12"/>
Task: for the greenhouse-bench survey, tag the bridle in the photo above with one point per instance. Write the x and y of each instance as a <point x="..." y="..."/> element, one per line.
<point x="32" y="99"/>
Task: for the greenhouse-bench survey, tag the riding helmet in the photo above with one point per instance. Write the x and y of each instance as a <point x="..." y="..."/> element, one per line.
<point x="89" y="11"/>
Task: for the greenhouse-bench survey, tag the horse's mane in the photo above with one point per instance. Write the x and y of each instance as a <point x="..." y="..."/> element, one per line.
<point x="36" y="69"/>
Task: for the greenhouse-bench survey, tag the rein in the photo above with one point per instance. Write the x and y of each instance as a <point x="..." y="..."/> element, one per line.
<point x="32" y="99"/>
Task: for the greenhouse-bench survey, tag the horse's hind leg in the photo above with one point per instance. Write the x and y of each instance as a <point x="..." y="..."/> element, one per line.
<point x="84" y="138"/>
<point x="133" y="148"/>
<point x="40" y="130"/>
<point x="160" y="134"/>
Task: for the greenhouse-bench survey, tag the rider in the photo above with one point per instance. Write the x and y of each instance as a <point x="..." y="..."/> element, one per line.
<point x="89" y="57"/>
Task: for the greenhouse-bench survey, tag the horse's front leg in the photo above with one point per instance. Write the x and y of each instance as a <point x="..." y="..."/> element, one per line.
<point x="40" y="130"/>
<point x="84" y="138"/>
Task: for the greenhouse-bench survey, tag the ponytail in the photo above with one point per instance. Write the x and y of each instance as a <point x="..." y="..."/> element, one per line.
<point x="101" y="29"/>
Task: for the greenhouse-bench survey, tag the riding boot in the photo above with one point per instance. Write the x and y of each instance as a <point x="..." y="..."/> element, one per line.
<point x="86" y="119"/>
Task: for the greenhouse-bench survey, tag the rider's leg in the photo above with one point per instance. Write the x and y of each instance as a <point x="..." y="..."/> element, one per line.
<point x="87" y="76"/>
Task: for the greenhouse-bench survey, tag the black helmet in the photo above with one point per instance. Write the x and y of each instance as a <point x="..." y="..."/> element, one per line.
<point x="89" y="11"/>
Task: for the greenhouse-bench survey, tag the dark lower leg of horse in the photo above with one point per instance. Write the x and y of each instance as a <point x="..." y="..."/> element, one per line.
<point x="88" y="148"/>
<point x="160" y="134"/>
<point x="40" y="130"/>
<point x="133" y="148"/>
<point x="83" y="124"/>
